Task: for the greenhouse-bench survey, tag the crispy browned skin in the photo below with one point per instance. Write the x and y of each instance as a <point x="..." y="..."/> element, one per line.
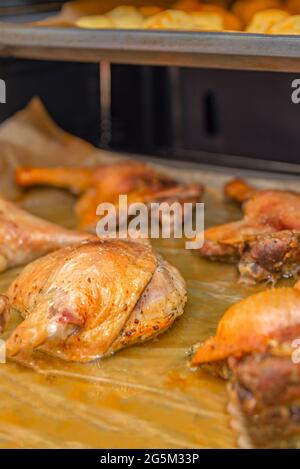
<point x="238" y="190"/>
<point x="24" y="237"/>
<point x="252" y="325"/>
<point x="253" y="348"/>
<point x="265" y="243"/>
<point x="140" y="182"/>
<point x="81" y="303"/>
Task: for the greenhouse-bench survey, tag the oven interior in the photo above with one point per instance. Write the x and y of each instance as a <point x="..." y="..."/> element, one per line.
<point x="234" y="118"/>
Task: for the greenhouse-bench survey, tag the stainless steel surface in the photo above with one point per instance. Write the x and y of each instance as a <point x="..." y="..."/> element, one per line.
<point x="214" y="164"/>
<point x="192" y="49"/>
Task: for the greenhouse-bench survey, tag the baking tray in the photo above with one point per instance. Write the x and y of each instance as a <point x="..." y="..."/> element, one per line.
<point x="144" y="396"/>
<point x="238" y="51"/>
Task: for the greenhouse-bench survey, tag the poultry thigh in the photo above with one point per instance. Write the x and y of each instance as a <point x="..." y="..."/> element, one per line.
<point x="140" y="182"/>
<point x="84" y="302"/>
<point x="265" y="243"/>
<point x="256" y="347"/>
<point x="24" y="237"/>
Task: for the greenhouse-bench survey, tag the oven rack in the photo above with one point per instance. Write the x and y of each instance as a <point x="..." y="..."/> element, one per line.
<point x="236" y="51"/>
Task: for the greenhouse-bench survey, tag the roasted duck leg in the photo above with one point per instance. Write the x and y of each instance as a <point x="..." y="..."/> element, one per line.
<point x="140" y="182"/>
<point x="257" y="348"/>
<point x="85" y="302"/>
<point x="24" y="237"/>
<point x="239" y="190"/>
<point x="265" y="243"/>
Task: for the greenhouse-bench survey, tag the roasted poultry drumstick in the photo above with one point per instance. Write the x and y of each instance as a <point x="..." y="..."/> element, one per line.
<point x="84" y="302"/>
<point x="24" y="237"/>
<point x="140" y="182"/>
<point x="256" y="347"/>
<point x="266" y="242"/>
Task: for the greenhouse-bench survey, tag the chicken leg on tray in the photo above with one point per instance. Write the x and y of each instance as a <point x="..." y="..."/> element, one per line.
<point x="266" y="242"/>
<point x="140" y="182"/>
<point x="88" y="301"/>
<point x="257" y="347"/>
<point x="24" y="237"/>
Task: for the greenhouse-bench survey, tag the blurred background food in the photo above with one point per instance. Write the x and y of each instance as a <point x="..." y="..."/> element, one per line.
<point x="290" y="25"/>
<point x="262" y="21"/>
<point x="251" y="16"/>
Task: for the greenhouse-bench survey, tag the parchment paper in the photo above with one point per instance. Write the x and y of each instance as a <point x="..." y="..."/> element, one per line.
<point x="144" y="396"/>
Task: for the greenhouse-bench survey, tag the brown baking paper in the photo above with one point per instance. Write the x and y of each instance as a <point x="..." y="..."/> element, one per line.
<point x="144" y="396"/>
